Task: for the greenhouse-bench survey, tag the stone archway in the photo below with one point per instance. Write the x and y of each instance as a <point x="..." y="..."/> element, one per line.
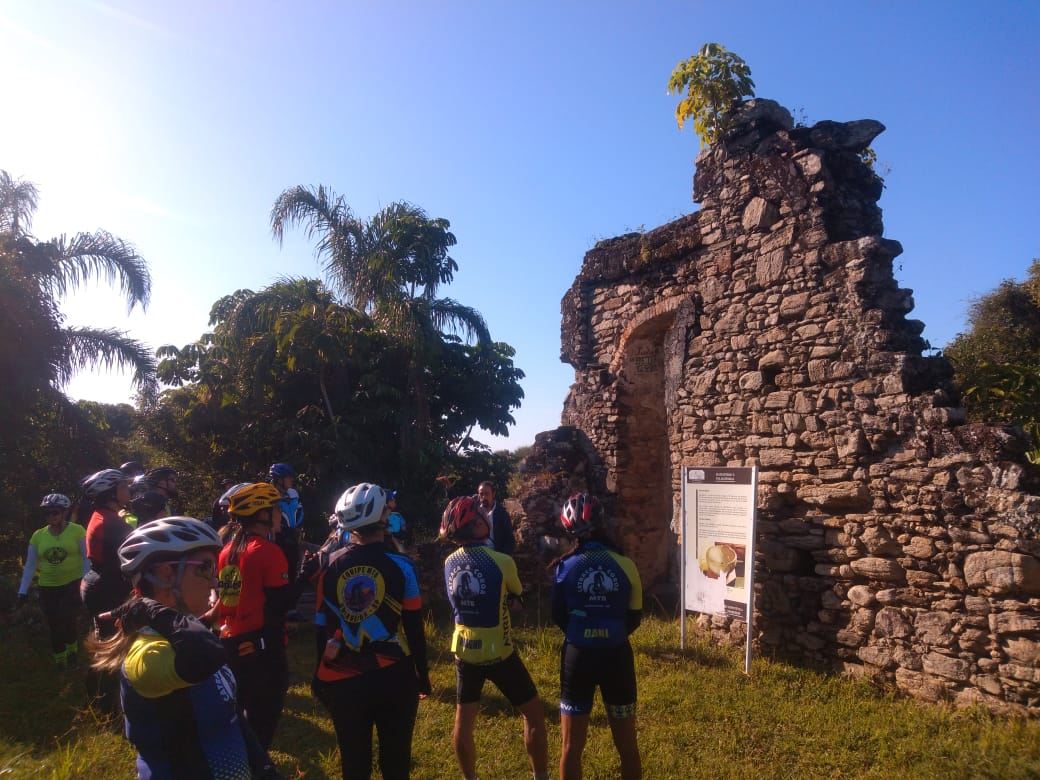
<point x="642" y="469"/>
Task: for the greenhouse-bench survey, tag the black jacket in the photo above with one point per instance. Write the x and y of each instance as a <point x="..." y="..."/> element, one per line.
<point x="502" y="530"/>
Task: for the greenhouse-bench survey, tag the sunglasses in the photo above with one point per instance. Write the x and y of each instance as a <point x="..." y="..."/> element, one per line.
<point x="205" y="569"/>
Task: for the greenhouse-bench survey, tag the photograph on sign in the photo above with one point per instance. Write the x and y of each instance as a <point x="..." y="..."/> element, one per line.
<point x="718" y="528"/>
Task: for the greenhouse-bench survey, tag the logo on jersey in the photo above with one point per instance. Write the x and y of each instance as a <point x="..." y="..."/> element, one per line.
<point x="360" y="591"/>
<point x="229" y="585"/>
<point x="467" y="585"/>
<point x="597" y="583"/>
<point x="225" y="681"/>
<point x="56" y="555"/>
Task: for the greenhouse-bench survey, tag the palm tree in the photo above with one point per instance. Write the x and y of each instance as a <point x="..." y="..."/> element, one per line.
<point x="34" y="274"/>
<point x="391" y="268"/>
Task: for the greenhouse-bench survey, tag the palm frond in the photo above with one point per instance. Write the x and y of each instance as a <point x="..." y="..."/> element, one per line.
<point x="73" y="261"/>
<point x="106" y="348"/>
<point x="318" y="209"/>
<point x="18" y="201"/>
<point x="450" y="315"/>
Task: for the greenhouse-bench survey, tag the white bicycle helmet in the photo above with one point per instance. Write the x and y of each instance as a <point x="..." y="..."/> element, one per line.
<point x="55" y="501"/>
<point x="361" y="505"/>
<point x="225" y="500"/>
<point x="102" y="482"/>
<point x="170" y="537"/>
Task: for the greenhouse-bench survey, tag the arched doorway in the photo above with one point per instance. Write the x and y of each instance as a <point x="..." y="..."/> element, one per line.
<point x="642" y="474"/>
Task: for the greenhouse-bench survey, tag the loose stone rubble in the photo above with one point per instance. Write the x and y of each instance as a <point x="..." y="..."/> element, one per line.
<point x="895" y="540"/>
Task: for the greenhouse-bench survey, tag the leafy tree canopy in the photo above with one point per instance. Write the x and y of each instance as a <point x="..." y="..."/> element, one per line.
<point x="712" y="80"/>
<point x="997" y="360"/>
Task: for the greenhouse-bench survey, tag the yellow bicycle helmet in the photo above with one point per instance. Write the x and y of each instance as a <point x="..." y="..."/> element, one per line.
<point x="250" y="499"/>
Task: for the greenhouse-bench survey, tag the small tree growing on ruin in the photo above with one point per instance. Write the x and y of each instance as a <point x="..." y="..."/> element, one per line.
<point x="713" y="80"/>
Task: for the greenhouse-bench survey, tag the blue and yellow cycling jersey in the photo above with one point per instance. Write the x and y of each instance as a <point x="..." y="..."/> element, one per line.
<point x="594" y="591"/>
<point x="477" y="580"/>
<point x="180" y="730"/>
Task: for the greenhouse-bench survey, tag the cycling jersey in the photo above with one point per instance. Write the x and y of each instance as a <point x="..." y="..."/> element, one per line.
<point x="361" y="596"/>
<point x="477" y="580"/>
<point x="106" y="530"/>
<point x="291" y="509"/>
<point x="595" y="592"/>
<point x="58" y="559"/>
<point x="180" y="729"/>
<point x="241" y="584"/>
<point x="395" y="523"/>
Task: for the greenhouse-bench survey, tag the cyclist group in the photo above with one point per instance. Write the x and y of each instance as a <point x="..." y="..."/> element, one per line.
<point x="189" y="622"/>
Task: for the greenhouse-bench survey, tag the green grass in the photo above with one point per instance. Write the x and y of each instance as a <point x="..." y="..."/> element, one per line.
<point x="699" y="717"/>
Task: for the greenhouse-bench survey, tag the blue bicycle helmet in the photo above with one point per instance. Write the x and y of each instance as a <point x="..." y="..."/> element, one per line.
<point x="279" y="470"/>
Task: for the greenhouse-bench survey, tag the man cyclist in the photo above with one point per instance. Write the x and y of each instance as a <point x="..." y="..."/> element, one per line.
<point x="479" y="582"/>
<point x="597" y="601"/>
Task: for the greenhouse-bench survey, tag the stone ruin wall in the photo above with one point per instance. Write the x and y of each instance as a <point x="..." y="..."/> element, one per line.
<point x="895" y="541"/>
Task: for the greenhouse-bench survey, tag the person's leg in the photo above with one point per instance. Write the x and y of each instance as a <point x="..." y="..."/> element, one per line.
<point x="618" y="685"/>
<point x="469" y="682"/>
<point x="574" y="729"/>
<point x="623" y="730"/>
<point x="70" y="605"/>
<point x="513" y="679"/>
<point x="577" y="691"/>
<point x="462" y="738"/>
<point x="348" y="704"/>
<point x="535" y="739"/>
<point x="267" y="699"/>
<point x="395" y="719"/>
<point x="50" y="605"/>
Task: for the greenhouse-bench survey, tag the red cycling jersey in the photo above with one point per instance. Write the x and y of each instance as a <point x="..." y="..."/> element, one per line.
<point x="106" y="530"/>
<point x="241" y="584"/>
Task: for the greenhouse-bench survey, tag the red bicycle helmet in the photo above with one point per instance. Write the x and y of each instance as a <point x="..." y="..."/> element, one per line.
<point x="463" y="521"/>
<point x="581" y="514"/>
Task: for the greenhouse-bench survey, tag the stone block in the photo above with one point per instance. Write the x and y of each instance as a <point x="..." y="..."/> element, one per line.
<point x="861" y="596"/>
<point x="1014" y="623"/>
<point x="920" y="686"/>
<point x="934" y="628"/>
<point x="759" y="214"/>
<point x="940" y="665"/>
<point x="837" y="496"/>
<point x="882" y="569"/>
<point x="1001" y="572"/>
<point x="891" y="623"/>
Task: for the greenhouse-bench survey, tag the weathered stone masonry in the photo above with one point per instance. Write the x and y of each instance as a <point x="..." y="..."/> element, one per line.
<point x="767" y="328"/>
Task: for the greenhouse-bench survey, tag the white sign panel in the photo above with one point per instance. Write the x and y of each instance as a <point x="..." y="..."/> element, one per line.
<point x="718" y="537"/>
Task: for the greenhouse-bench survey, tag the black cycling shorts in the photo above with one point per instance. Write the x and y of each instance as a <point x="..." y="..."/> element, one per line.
<point x="613" y="669"/>
<point x="509" y="675"/>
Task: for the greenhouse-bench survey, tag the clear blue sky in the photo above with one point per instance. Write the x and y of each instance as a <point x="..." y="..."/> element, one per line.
<point x="537" y="128"/>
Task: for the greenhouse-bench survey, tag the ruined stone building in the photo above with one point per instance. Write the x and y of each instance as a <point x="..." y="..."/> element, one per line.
<point x="767" y="329"/>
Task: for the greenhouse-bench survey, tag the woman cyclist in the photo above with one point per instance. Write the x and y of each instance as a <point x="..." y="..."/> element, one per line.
<point x="58" y="551"/>
<point x="106" y="493"/>
<point x="368" y="674"/>
<point x="254" y="596"/>
<point x="480" y="582"/>
<point x="178" y="693"/>
<point x="597" y="600"/>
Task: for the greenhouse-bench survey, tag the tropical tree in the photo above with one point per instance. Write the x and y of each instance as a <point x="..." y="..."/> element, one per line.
<point x="390" y="267"/>
<point x="713" y="80"/>
<point x="41" y="350"/>
<point x="46" y="441"/>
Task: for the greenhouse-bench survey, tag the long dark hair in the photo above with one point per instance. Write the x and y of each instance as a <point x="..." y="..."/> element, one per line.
<point x="237" y="532"/>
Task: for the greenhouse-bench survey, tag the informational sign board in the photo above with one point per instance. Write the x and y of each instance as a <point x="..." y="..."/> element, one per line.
<point x="718" y="541"/>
